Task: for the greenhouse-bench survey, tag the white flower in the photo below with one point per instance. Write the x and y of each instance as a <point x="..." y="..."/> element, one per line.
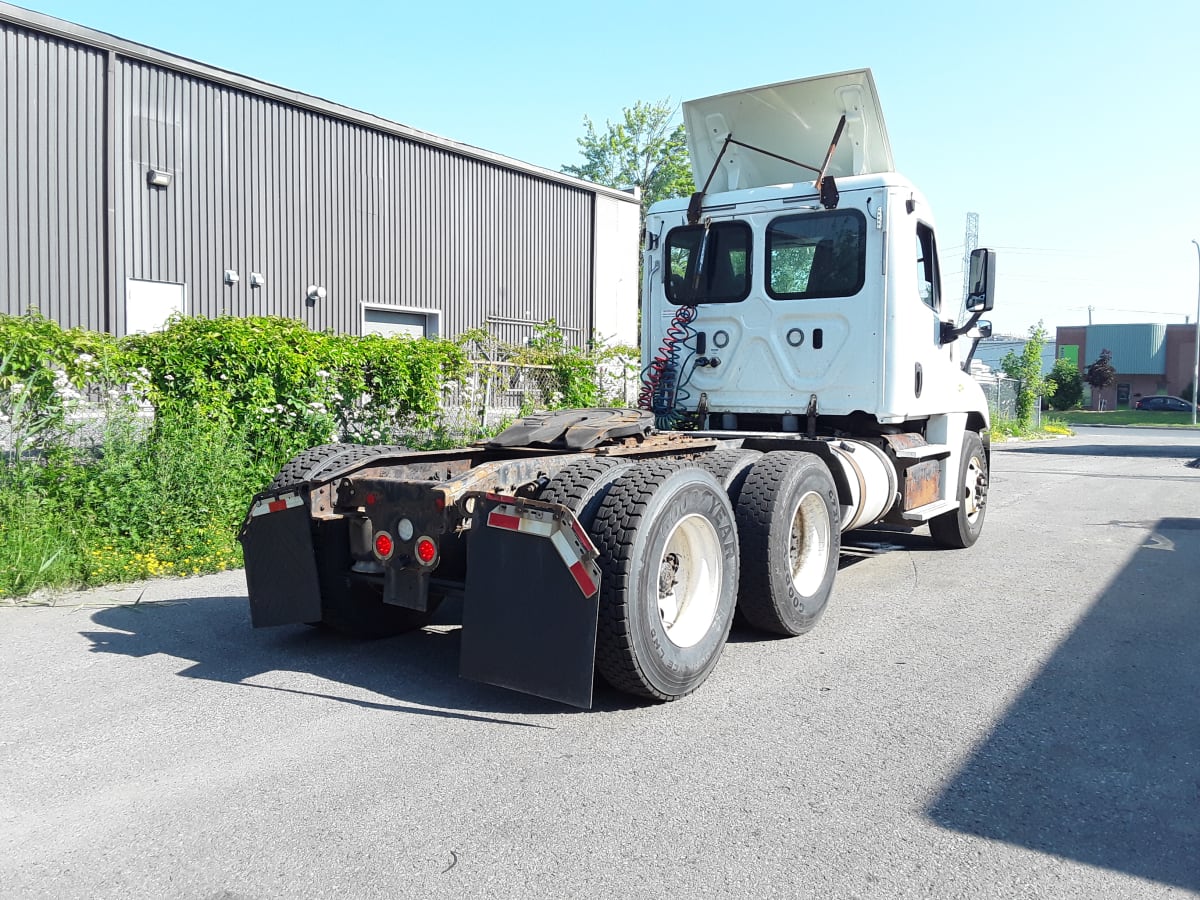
<point x="278" y="407"/>
<point x="84" y="358"/>
<point x="224" y="377"/>
<point x="3" y="419"/>
<point x="16" y="388"/>
<point x="143" y="371"/>
<point x="168" y="377"/>
<point x="321" y="373"/>
<point x="317" y="405"/>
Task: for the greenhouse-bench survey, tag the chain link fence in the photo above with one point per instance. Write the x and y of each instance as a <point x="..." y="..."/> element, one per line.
<point x="1001" y="392"/>
<point x="494" y="393"/>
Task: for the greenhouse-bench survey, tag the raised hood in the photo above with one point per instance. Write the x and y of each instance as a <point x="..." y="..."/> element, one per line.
<point x="795" y="119"/>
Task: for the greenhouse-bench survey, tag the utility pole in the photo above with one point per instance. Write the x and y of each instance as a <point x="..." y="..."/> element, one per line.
<point x="1196" y="361"/>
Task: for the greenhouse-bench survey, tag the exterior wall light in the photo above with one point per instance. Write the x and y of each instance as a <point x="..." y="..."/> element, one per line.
<point x="159" y="178"/>
<point x="315" y="293"/>
<point x="257" y="280"/>
<point x="231" y="276"/>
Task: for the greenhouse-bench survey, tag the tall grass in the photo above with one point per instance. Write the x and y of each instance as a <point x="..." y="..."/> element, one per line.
<point x="140" y="502"/>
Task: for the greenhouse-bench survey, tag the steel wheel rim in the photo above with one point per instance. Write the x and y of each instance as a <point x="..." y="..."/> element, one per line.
<point x="689" y="580"/>
<point x="809" y="544"/>
<point x="972" y="489"/>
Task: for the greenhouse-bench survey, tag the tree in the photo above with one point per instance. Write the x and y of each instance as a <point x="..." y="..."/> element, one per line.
<point x="1101" y="374"/>
<point x="1026" y="368"/>
<point x="1064" y="384"/>
<point x="642" y="150"/>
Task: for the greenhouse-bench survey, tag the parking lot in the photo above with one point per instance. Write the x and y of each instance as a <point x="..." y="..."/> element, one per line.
<point x="1020" y="719"/>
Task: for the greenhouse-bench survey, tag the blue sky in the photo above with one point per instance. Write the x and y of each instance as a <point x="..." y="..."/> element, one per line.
<point x="1070" y="128"/>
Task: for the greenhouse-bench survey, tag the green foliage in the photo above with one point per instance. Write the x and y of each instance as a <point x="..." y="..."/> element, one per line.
<point x="285" y="388"/>
<point x="1101" y="373"/>
<point x="136" y="458"/>
<point x="1002" y="429"/>
<point x="642" y="150"/>
<point x="1026" y="368"/>
<point x="1064" y="384"/>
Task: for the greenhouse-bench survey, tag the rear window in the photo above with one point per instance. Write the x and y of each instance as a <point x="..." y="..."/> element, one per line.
<point x="816" y="255"/>
<point x="708" y="265"/>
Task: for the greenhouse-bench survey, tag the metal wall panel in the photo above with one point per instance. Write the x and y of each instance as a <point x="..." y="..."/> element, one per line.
<point x="1136" y="349"/>
<point x="263" y="181"/>
<point x="51" y="173"/>
<point x="260" y="186"/>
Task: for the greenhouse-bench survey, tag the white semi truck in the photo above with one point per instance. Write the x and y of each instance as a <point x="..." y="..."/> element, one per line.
<point x="805" y="375"/>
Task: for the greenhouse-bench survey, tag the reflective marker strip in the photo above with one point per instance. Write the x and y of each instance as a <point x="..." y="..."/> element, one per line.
<point x="574" y="554"/>
<point x="510" y="522"/>
<point x="584" y="580"/>
<point x="276" y="504"/>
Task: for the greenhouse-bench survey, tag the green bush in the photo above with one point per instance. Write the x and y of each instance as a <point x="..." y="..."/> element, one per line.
<point x="1064" y="385"/>
<point x="95" y="489"/>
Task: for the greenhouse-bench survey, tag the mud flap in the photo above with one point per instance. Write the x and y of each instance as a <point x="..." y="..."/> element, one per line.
<point x="281" y="568"/>
<point x="531" y="602"/>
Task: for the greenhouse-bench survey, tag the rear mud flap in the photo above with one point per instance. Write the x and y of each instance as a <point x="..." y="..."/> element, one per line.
<point x="531" y="602"/>
<point x="281" y="568"/>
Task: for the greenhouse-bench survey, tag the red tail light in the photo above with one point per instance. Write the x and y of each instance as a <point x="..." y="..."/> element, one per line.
<point x="426" y="551"/>
<point x="384" y="545"/>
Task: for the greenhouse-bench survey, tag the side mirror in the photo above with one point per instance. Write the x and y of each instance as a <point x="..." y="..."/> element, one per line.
<point x="981" y="295"/>
<point x="983" y="329"/>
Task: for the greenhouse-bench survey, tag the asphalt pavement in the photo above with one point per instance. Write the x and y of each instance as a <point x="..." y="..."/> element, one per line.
<point x="1021" y="719"/>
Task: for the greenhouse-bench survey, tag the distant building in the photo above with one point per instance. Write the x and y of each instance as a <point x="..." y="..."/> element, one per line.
<point x="135" y="184"/>
<point x="991" y="352"/>
<point x="1149" y="359"/>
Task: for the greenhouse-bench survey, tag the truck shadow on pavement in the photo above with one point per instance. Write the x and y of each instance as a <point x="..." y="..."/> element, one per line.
<point x="419" y="669"/>
<point x="1098" y="760"/>
<point x="1145" y="451"/>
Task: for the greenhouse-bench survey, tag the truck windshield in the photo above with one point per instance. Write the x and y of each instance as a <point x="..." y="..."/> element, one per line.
<point x="816" y="255"/>
<point x="708" y="265"/>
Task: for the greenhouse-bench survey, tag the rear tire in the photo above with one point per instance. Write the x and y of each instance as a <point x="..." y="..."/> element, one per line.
<point x="582" y="486"/>
<point x="960" y="528"/>
<point x="305" y="466"/>
<point x="360" y="613"/>
<point x="789" y="525"/>
<point x="730" y="468"/>
<point x="668" y="560"/>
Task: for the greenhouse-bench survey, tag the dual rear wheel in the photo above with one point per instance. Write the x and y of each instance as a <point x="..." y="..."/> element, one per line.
<point x="682" y="543"/>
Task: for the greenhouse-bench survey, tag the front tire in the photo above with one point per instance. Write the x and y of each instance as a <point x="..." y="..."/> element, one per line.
<point x="789" y="521"/>
<point x="960" y="528"/>
<point x="669" y="567"/>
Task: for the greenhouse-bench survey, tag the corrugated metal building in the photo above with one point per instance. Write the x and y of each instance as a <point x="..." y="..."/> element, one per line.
<point x="134" y="182"/>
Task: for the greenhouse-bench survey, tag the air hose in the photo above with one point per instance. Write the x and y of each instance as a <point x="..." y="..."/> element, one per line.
<point x="663" y="380"/>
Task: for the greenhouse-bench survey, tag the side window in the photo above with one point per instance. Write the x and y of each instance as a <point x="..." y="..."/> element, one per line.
<point x="816" y="255"/>
<point x="708" y="265"/>
<point x="927" y="268"/>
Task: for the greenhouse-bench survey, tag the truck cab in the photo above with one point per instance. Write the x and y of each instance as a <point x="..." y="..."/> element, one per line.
<point x="790" y="299"/>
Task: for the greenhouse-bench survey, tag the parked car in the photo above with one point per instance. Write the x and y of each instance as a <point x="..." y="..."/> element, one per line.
<point x="1164" y="404"/>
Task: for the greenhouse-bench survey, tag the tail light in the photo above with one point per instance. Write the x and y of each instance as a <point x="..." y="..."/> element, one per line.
<point x="426" y="551"/>
<point x="384" y="545"/>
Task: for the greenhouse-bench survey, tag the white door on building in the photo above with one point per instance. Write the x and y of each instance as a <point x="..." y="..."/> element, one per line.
<point x="148" y="304"/>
